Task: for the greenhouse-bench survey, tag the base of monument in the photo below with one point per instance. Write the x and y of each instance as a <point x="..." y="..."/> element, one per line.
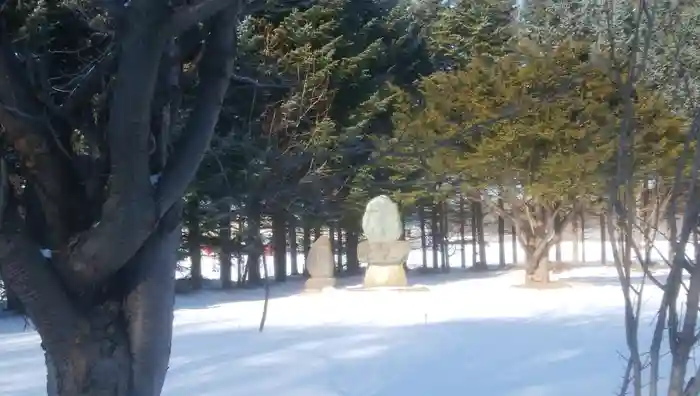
<point x="413" y="288"/>
<point x="385" y="276"/>
<point x="318" y="284"/>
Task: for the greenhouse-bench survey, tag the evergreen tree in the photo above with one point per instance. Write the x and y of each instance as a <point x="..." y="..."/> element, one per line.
<point x="539" y="125"/>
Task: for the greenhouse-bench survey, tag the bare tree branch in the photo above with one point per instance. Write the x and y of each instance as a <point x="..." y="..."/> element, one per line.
<point x="89" y="83"/>
<point x="215" y="78"/>
<point x="128" y="215"/>
<point x="28" y="129"/>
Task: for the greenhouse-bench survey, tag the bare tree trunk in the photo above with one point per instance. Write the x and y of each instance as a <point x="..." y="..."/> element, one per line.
<point x="603" y="243"/>
<point x="225" y="252"/>
<point x="334" y="248"/>
<point x="537" y="265"/>
<point x="514" y="243"/>
<point x="279" y="245"/>
<point x="306" y="241"/>
<point x="435" y="233"/>
<point x="253" y="242"/>
<point x="475" y="237"/>
<point x="481" y="238"/>
<point x="646" y="221"/>
<point x="462" y="226"/>
<point x="121" y="346"/>
<point x="240" y="273"/>
<point x="501" y="236"/>
<point x="423" y="242"/>
<point x="539" y="228"/>
<point x="353" y="239"/>
<point x="293" y="248"/>
<point x="576" y="249"/>
<point x="194" y="242"/>
<point x="341" y="250"/>
<point x="583" y="236"/>
<point x="444" y="254"/>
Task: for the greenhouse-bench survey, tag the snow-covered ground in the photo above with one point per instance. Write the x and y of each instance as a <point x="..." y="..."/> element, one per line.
<point x="469" y="333"/>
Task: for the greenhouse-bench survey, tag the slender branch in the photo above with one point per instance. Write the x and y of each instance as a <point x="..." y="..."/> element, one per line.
<point x="215" y="75"/>
<point x="89" y="83"/>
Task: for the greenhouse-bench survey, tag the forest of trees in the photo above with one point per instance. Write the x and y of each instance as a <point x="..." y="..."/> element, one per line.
<point x="128" y="125"/>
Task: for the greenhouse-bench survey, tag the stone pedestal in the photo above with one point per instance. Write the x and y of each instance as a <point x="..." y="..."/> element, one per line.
<point x="318" y="284"/>
<point x="384" y="263"/>
<point x="385" y="276"/>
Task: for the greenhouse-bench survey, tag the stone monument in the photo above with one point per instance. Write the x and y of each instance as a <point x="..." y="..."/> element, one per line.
<point x="382" y="251"/>
<point x="320" y="265"/>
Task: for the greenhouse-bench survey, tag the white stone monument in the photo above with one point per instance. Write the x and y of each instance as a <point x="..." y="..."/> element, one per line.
<point x="320" y="265"/>
<point x="382" y="251"/>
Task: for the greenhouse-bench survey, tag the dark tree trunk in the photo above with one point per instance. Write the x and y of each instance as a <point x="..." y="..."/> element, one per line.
<point x="122" y="344"/>
<point x="334" y="247"/>
<point x="435" y="233"/>
<point x="646" y="222"/>
<point x="423" y="242"/>
<point x="225" y="250"/>
<point x="293" y="247"/>
<point x="240" y="265"/>
<point x="583" y="236"/>
<point x="279" y="245"/>
<point x="576" y="235"/>
<point x="475" y="237"/>
<point x="254" y="247"/>
<point x="501" y="236"/>
<point x="341" y="250"/>
<point x="444" y="235"/>
<point x="479" y="241"/>
<point x="603" y="250"/>
<point x="194" y="245"/>
<point x="514" y="243"/>
<point x="353" y="239"/>
<point x="482" y="237"/>
<point x="307" y="245"/>
<point x="462" y="226"/>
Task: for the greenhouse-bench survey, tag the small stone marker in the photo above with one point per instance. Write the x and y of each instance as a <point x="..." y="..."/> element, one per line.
<point x="320" y="265"/>
<point x="382" y="251"/>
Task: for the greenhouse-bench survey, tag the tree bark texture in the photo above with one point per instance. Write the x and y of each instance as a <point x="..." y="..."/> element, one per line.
<point x="96" y="274"/>
<point x="539" y="228"/>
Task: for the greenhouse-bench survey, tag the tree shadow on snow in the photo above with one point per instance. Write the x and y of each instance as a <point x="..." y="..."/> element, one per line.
<point x="504" y="357"/>
<point x="487" y="356"/>
<point x="606" y="280"/>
